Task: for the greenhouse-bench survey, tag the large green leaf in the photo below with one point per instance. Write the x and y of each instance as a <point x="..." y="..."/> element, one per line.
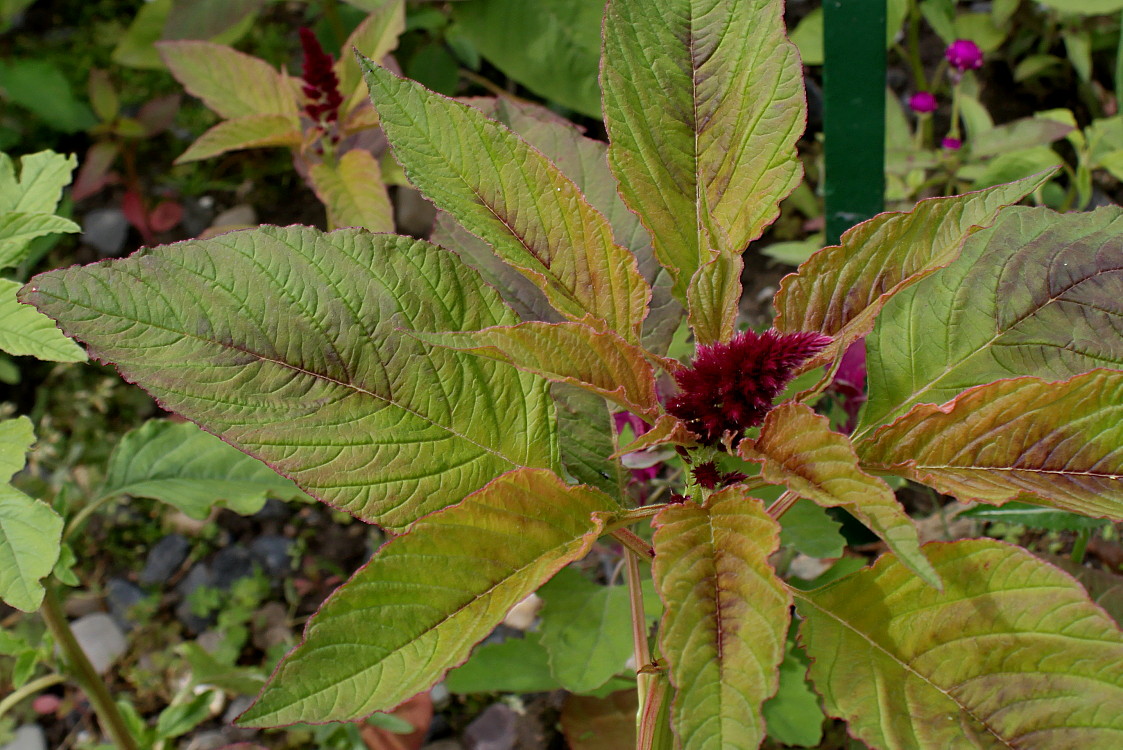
<point x="505" y="192"/>
<point x="842" y="288"/>
<point x="585" y="438"/>
<point x="352" y="190"/>
<point x="550" y="46"/>
<point x="29" y="530"/>
<point x="293" y="346"/>
<point x="797" y="449"/>
<point x="420" y="604"/>
<point x="179" y="464"/>
<point x="208" y="70"/>
<point x="724" y="628"/>
<point x="567" y="353"/>
<point x="793" y="716"/>
<point x="703" y="101"/>
<point x="26" y="331"/>
<point x="27" y="204"/>
<point x="517" y="665"/>
<point x="1012" y="654"/>
<point x="1019" y="439"/>
<point x="1037" y="294"/>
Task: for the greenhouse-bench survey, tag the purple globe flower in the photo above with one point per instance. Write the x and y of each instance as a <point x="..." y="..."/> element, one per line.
<point x="923" y="103"/>
<point x="952" y="144"/>
<point x="963" y="54"/>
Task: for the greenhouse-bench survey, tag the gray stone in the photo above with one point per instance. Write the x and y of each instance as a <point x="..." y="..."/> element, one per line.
<point x="199" y="575"/>
<point x="100" y="638"/>
<point x="164" y="559"/>
<point x="105" y="229"/>
<point x="230" y="565"/>
<point x="123" y="596"/>
<point x="272" y="552"/>
<point x="28" y="737"/>
<point x="494" y="729"/>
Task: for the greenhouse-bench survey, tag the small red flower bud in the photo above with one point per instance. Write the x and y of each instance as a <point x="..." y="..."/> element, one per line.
<point x="963" y="54"/>
<point x="952" y="144"/>
<point x="923" y="102"/>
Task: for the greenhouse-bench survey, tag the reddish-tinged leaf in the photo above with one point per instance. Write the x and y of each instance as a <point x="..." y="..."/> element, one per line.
<point x="1012" y="654"/>
<point x="704" y="103"/>
<point x="841" y="289"/>
<point x="667" y="429"/>
<point x="375" y="37"/>
<point x="165" y="216"/>
<point x="726" y="618"/>
<point x="1021" y="439"/>
<point x="505" y="192"/>
<point x="94" y="173"/>
<point x="713" y="298"/>
<point x="567" y="353"/>
<point x="417" y="608"/>
<point x="797" y="449"/>
<point x="599" y="723"/>
<point x="353" y="192"/>
<point x="253" y="131"/>
<point x="418" y="711"/>
<point x="231" y="83"/>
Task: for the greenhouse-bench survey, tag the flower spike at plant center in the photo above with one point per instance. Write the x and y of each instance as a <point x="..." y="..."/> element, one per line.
<point x="321" y="85"/>
<point x="730" y="387"/>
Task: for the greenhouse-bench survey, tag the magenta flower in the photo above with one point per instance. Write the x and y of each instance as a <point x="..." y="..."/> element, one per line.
<point x="951" y="144"/>
<point x="321" y="86"/>
<point x="963" y="54"/>
<point x="707" y="475"/>
<point x="923" y="103"/>
<point x="730" y="387"/>
<point x="850" y="382"/>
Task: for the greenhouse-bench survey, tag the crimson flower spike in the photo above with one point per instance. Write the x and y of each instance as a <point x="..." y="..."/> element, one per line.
<point x="730" y="387"/>
<point x="321" y="86"/>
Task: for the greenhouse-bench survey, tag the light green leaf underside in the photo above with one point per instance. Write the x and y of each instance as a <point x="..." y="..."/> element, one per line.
<point x="26" y="331"/>
<point x="17" y="229"/>
<point x="251" y="131"/>
<point x="726" y="618"/>
<point x="508" y="194"/>
<point x="208" y="71"/>
<point x="179" y="464"/>
<point x="353" y="192"/>
<point x="798" y="449"/>
<point x="1038" y="294"/>
<point x="704" y="103"/>
<point x="1021" y="439"/>
<point x="842" y="288"/>
<point x="293" y="346"/>
<point x="417" y="608"/>
<point x="27" y="203"/>
<point x="16" y="438"/>
<point x="1011" y="655"/>
<point x="569" y="353"/>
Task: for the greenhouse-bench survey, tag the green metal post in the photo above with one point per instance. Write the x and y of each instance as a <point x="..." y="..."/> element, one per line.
<point x="853" y="112"/>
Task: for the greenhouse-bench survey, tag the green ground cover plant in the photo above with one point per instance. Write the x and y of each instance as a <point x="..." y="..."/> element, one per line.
<point x="385" y="377"/>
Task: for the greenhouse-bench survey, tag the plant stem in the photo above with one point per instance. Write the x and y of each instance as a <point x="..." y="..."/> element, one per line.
<point x="654" y="730"/>
<point x="1083" y="536"/>
<point x="783" y="504"/>
<point x="639" y="624"/>
<point x="633" y="543"/>
<point x="85" y="675"/>
<point x="81" y="516"/>
<point x="9" y="702"/>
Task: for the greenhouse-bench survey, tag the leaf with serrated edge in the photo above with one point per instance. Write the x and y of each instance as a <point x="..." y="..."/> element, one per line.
<point x="713" y="297"/>
<point x="704" y="103"/>
<point x="376" y="36"/>
<point x="568" y="353"/>
<point x="508" y="194"/>
<point x="798" y="449"/>
<point x="1021" y="439"/>
<point x="840" y="290"/>
<point x="42" y="177"/>
<point x="16" y="438"/>
<point x="353" y="192"/>
<point x="252" y="131"/>
<point x="667" y="429"/>
<point x="726" y="619"/>
<point x="26" y="331"/>
<point x="1037" y="294"/>
<point x="207" y="70"/>
<point x="1011" y="654"/>
<point x="179" y="464"/>
<point x="421" y="603"/>
<point x="292" y="345"/>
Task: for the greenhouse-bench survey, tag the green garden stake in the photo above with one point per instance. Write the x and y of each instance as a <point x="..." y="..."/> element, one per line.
<point x="853" y="112"/>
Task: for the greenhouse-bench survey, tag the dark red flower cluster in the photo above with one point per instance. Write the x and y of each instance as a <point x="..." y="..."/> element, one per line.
<point x="730" y="387"/>
<point x="321" y="86"/>
<point x="707" y="475"/>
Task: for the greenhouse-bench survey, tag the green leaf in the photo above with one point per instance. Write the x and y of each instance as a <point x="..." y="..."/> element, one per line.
<point x="426" y="597"/>
<point x="550" y="46"/>
<point x="375" y="37"/>
<point x="842" y="288"/>
<point x="41" y="87"/>
<point x="1033" y="516"/>
<point x="207" y="19"/>
<point x="808" y="528"/>
<point x="135" y="48"/>
<point x="585" y="436"/>
<point x="797" y="449"/>
<point x="1104" y="588"/>
<point x="567" y="353"/>
<point x="180" y="718"/>
<point x="206" y="70"/>
<point x="251" y="131"/>
<point x="179" y="464"/>
<point x="724" y="627"/>
<point x="586" y="628"/>
<point x="1026" y="132"/>
<point x="206" y="670"/>
<point x="26" y="331"/>
<point x="1033" y="295"/>
<point x="703" y="103"/>
<point x="27" y="204"/>
<point x="30" y="531"/>
<point x="713" y="298"/>
<point x="353" y="192"/>
<point x="506" y="193"/>
<point x="1024" y="439"/>
<point x="793" y="715"/>
<point x="293" y="346"/>
<point x="517" y="665"/>
<point x="1011" y="654"/>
